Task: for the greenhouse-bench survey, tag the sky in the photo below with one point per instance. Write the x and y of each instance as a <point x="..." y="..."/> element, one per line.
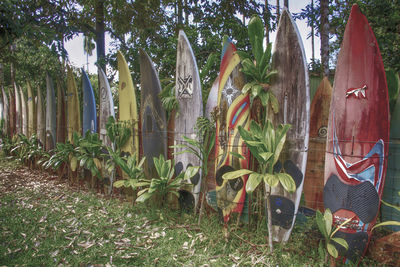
<point x="77" y="57"/>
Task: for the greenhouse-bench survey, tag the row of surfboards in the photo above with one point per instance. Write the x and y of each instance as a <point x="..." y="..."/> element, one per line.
<point x="350" y="169"/>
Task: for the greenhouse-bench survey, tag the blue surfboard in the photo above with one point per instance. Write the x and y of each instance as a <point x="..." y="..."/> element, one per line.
<point x="89" y="106"/>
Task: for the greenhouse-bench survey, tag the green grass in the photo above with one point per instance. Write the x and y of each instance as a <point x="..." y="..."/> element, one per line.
<point x="45" y="222"/>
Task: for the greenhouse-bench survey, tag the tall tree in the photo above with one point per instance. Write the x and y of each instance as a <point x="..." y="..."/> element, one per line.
<point x="100" y="34"/>
<point x="324" y="30"/>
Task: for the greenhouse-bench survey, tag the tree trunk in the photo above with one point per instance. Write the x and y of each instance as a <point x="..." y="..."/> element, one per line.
<point x="266" y="21"/>
<point x="180" y="15"/>
<point x="312" y="35"/>
<point x="324" y="37"/>
<point x="1" y="74"/>
<point x="186" y="13"/>
<point x="278" y="11"/>
<point x="286" y="3"/>
<point x="100" y="38"/>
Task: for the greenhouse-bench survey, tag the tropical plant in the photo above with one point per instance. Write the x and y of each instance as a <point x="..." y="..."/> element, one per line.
<point x="130" y="166"/>
<point x="118" y="132"/>
<point x="201" y="147"/>
<point x="265" y="144"/>
<point x="257" y="69"/>
<point x="324" y="223"/>
<point x="61" y="156"/>
<point x="89" y="154"/>
<point x="164" y="184"/>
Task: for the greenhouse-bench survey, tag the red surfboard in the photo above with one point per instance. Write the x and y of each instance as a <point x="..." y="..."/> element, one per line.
<point x="358" y="135"/>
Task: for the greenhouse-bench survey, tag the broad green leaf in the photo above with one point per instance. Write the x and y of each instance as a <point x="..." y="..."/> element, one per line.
<point x="265" y="60"/>
<point x="279" y="148"/>
<point x="153" y="185"/>
<point x="236" y="174"/>
<point x="143" y="197"/>
<point x="142" y="183"/>
<point x="328" y="221"/>
<point x="271" y="179"/>
<point x="237" y="155"/>
<point x="191" y="171"/>
<point x="246" y="135"/>
<point x="266" y="155"/>
<point x="387" y="223"/>
<point x="332" y="250"/>
<point x="157" y="164"/>
<point x="74" y="163"/>
<point x="247" y="87"/>
<point x="258" y="49"/>
<point x="274" y="102"/>
<point x="256" y="36"/>
<point x="255" y="128"/>
<point x="119" y="183"/>
<point x="249" y="67"/>
<point x="287" y="182"/>
<point x="141" y="162"/>
<point x="256" y="90"/>
<point x="321" y="224"/>
<point x="97" y="163"/>
<point x="341" y="242"/>
<point x="253" y="181"/>
<point x="253" y="143"/>
<point x="264" y="96"/>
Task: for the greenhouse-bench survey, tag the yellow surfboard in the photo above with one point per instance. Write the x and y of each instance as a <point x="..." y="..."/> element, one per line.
<point x="32" y="118"/>
<point x="128" y="106"/>
<point x="73" y="108"/>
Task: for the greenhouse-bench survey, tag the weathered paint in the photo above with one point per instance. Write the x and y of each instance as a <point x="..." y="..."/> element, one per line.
<point x="73" y="107"/>
<point x="32" y="117"/>
<point x="106" y="107"/>
<point x="319" y="116"/>
<point x="127" y="106"/>
<point x="61" y="113"/>
<point x="24" y="114"/>
<point x="51" y="117"/>
<point x="291" y="88"/>
<point x="152" y="114"/>
<point x="358" y="130"/>
<point x="188" y="94"/>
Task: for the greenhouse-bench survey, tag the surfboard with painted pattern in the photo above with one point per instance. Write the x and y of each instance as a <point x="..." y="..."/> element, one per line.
<point x="233" y="111"/>
<point x="358" y="136"/>
<point x="188" y="94"/>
